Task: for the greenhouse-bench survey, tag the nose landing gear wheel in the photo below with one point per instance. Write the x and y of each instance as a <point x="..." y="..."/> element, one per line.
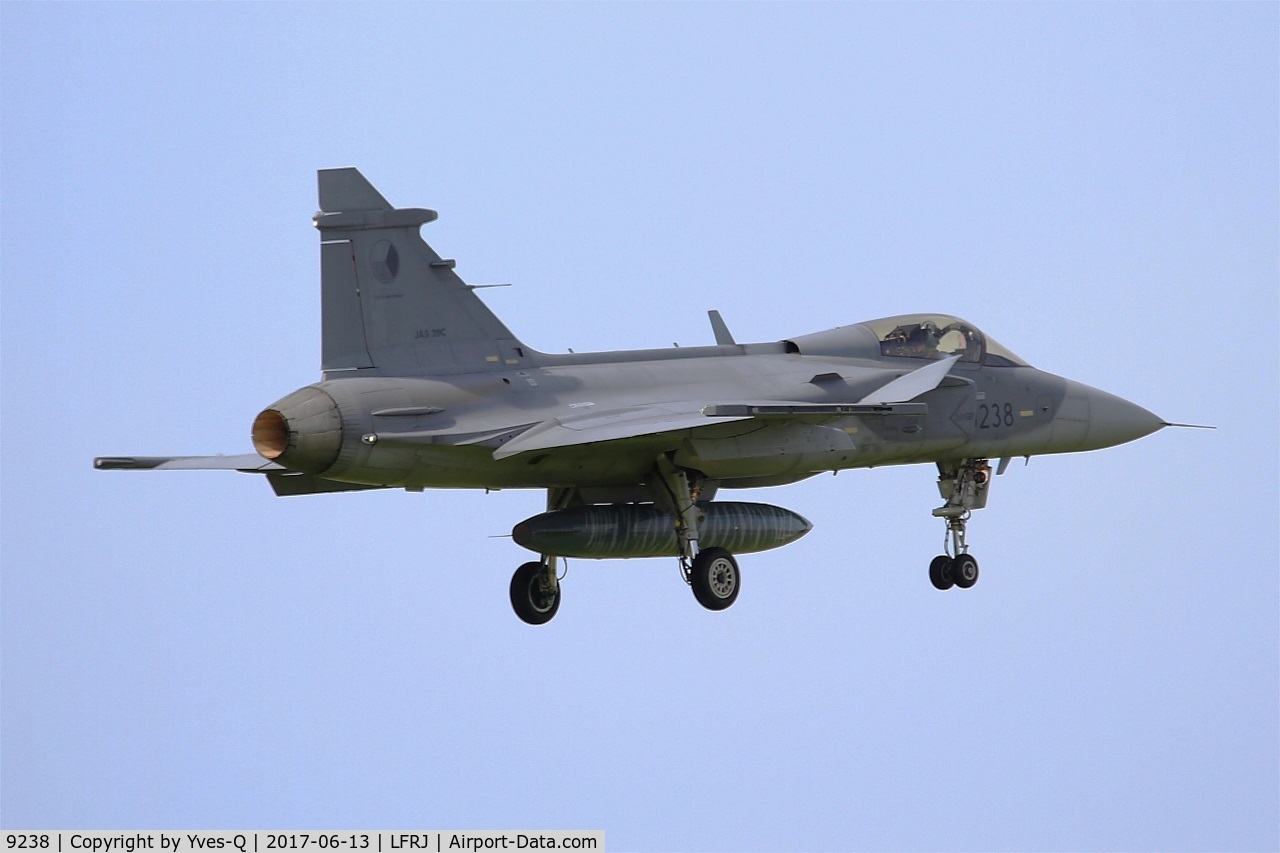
<point x="961" y="572"/>
<point x="940" y="572"/>
<point x="530" y="598"/>
<point x="715" y="578"/>
<point x="965" y="571"/>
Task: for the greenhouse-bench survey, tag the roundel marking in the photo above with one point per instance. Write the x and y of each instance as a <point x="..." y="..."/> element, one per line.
<point x="385" y="261"/>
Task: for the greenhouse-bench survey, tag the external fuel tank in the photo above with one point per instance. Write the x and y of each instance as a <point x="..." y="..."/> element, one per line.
<point x="608" y="531"/>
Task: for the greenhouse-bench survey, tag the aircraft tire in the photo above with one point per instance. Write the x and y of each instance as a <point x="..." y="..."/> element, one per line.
<point x="940" y="572"/>
<point x="527" y="598"/>
<point x="964" y="569"/>
<point x="715" y="578"/>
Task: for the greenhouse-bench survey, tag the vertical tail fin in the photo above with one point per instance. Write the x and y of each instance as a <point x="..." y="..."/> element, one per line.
<point x="390" y="305"/>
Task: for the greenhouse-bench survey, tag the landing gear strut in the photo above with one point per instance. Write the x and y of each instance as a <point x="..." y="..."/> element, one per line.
<point x="964" y="488"/>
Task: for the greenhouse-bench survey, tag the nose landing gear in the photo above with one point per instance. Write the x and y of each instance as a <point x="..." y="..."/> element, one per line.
<point x="964" y="488"/>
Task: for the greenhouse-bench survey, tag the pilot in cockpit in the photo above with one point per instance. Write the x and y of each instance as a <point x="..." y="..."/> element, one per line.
<point x="922" y="341"/>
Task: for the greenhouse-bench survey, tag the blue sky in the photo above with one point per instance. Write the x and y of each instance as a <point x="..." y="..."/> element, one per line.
<point x="1095" y="185"/>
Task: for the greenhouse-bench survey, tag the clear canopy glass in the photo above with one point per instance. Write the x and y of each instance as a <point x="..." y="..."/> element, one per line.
<point x="938" y="336"/>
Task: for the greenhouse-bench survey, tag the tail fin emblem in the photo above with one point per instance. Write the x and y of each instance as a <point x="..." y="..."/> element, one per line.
<point x="385" y="261"/>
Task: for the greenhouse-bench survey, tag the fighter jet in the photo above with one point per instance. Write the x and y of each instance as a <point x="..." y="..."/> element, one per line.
<point x="424" y="387"/>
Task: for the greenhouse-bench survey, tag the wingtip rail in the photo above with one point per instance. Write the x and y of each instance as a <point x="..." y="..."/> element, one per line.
<point x="247" y="462"/>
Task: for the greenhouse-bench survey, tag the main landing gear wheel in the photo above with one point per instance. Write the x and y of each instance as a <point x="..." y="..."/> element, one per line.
<point x="715" y="578"/>
<point x="532" y="601"/>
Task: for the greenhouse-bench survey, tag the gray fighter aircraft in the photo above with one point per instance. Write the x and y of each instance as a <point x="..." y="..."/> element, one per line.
<point x="424" y="387"/>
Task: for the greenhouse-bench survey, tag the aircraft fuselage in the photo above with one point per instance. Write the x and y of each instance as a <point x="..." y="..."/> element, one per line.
<point x="442" y="432"/>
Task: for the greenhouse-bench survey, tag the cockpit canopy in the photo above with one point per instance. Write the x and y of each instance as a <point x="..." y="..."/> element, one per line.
<point x="938" y="336"/>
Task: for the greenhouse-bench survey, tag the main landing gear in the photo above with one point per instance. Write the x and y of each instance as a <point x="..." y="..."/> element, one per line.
<point x="535" y="587"/>
<point x="535" y="592"/>
<point x="712" y="573"/>
<point x="964" y="488"/>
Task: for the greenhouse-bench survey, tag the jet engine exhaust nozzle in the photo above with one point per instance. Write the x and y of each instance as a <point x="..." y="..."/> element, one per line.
<point x="302" y="432"/>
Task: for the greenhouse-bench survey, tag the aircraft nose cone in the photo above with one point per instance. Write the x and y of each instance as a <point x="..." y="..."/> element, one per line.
<point x="1113" y="420"/>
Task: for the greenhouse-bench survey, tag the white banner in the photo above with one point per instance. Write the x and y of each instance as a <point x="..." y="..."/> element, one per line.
<point x="295" y="841"/>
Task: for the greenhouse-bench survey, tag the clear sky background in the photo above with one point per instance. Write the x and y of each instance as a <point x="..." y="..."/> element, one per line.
<point x="1094" y="185"/>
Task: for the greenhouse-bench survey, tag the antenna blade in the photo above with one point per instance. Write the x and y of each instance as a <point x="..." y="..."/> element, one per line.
<point x="721" y="330"/>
